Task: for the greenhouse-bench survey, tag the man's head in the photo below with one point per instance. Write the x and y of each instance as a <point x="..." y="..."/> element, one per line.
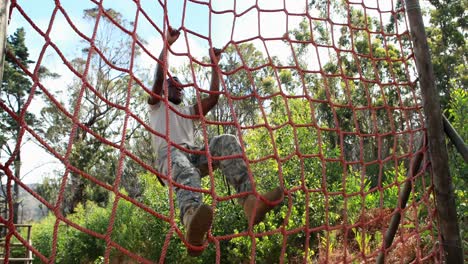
<point x="175" y="90"/>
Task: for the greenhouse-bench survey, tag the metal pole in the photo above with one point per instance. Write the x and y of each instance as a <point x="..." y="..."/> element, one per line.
<point x="4" y="11"/>
<point x="443" y="188"/>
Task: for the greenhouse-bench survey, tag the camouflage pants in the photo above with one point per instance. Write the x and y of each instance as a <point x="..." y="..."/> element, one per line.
<point x="188" y="169"/>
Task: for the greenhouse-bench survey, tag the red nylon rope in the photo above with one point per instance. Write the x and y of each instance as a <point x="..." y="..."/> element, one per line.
<point x="327" y="230"/>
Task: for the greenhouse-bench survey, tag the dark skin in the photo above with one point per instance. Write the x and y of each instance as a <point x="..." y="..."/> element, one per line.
<point x="175" y="89"/>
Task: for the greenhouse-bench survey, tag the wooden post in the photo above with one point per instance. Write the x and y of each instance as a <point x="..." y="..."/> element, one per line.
<point x="403" y="197"/>
<point x="443" y="188"/>
<point x="4" y="10"/>
<point x="456" y="139"/>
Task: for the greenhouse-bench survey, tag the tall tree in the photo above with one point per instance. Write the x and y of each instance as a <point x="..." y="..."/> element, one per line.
<point x="16" y="88"/>
<point x="243" y="87"/>
<point x="102" y="111"/>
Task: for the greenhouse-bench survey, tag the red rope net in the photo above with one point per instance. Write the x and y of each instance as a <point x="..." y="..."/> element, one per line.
<point x="322" y="95"/>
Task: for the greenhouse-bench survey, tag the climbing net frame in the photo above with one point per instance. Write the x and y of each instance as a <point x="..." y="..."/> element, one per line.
<point x="391" y="94"/>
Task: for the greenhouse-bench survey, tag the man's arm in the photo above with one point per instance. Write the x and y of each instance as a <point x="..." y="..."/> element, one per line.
<point x="171" y="36"/>
<point x="209" y="102"/>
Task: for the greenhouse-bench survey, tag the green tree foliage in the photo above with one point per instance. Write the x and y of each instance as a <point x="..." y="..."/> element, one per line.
<point x="16" y="87"/>
<point x="457" y="112"/>
<point x="364" y="87"/>
<point x="15" y="91"/>
<point x="447" y="34"/>
<point x="134" y="229"/>
<point x="102" y="100"/>
<point x="242" y="86"/>
<point x="146" y="234"/>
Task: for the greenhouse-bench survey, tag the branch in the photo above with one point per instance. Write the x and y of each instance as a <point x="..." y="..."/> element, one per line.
<point x="37" y="167"/>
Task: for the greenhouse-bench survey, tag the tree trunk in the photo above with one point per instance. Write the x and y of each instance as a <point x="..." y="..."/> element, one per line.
<point x="16" y="196"/>
<point x="78" y="191"/>
<point x="4" y="8"/>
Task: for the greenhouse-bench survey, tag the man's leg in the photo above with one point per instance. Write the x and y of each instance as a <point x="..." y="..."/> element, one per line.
<point x="235" y="170"/>
<point x="196" y="216"/>
<point x="236" y="174"/>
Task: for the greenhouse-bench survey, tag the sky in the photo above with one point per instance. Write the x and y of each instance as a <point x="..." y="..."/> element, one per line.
<point x="229" y="20"/>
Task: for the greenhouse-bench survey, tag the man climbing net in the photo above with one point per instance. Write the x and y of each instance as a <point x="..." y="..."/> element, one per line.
<point x="185" y="165"/>
<point x="330" y="109"/>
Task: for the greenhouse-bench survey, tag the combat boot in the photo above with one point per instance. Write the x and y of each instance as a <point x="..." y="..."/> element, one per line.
<point x="197" y="221"/>
<point x="257" y="208"/>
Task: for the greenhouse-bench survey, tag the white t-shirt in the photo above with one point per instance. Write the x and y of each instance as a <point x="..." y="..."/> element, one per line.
<point x="181" y="127"/>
